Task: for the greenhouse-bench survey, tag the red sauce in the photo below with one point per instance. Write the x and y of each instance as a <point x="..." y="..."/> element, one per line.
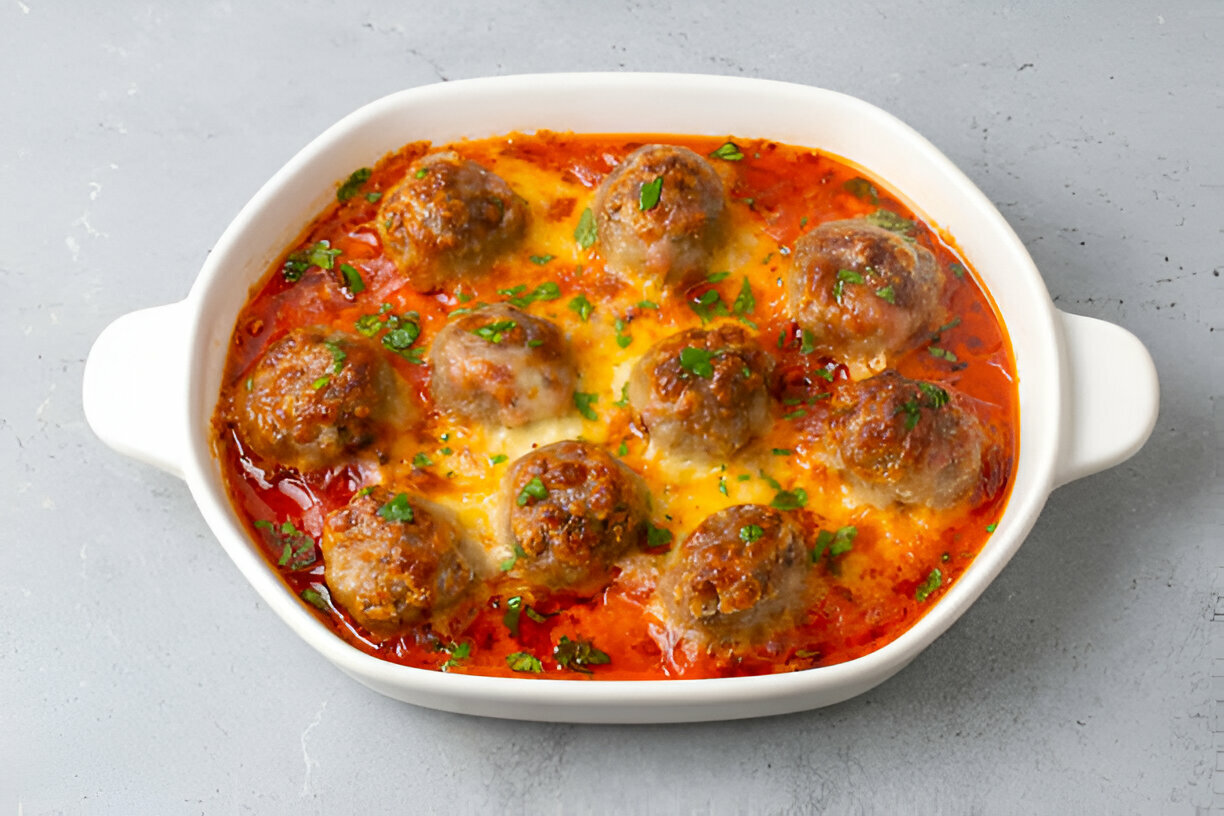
<point x="781" y="191"/>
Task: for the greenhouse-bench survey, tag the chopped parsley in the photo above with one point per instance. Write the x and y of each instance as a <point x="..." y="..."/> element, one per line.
<point x="623" y="402"/>
<point x="790" y="499"/>
<point x="540" y="260"/>
<point x="457" y="652"/>
<point x="697" y="361"/>
<point x="782" y="451"/>
<point x="845" y="276"/>
<point x="352" y="279"/>
<point x="942" y="354"/>
<point x="886" y="294"/>
<point x="744" y="301"/>
<point x="833" y="544"/>
<point x="623" y="449"/>
<point x="648" y="196"/>
<point x="807" y="342"/>
<point x="321" y="382"/>
<point x="534" y="489"/>
<point x="622" y="339"/>
<point x="421" y="461"/>
<point x="524" y="662"/>
<point x="583" y="402"/>
<point x="658" y="537"/>
<point x="824" y="374"/>
<point x="890" y="221"/>
<point x="337" y="353"/>
<point x="729" y="151"/>
<point x="862" y="188"/>
<point x="297" y="548"/>
<point x="715" y="277"/>
<point x="349" y="188"/>
<point x="373" y="196"/>
<point x="990" y="528"/>
<point x="582" y="307"/>
<point x="515" y="555"/>
<point x="315" y="598"/>
<point x="520" y="297"/>
<point x="933" y="582"/>
<point x="647" y="304"/>
<point x="936" y="396"/>
<point x="496" y="331"/>
<point x="402" y="331"/>
<point x="398" y="509"/>
<point x="708" y="305"/>
<point x="498" y="458"/>
<point x="578" y="654"/>
<point x="586" y="232"/>
<point x="751" y="533"/>
<point x="514" y="612"/>
<point x="422" y="173"/>
<point x="722" y="485"/>
<point x="799" y="412"/>
<point x="912" y="413"/>
<point x="320" y="254"/>
<point x="957" y="269"/>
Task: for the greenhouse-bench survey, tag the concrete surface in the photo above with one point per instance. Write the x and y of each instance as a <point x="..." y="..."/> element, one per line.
<point x="140" y="675"/>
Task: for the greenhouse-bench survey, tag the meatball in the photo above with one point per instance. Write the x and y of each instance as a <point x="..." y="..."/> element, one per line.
<point x="395" y="561"/>
<point x="865" y="293"/>
<point x="316" y="397"/>
<point x="502" y="366"/>
<point x="571" y="511"/>
<point x="662" y="232"/>
<point x="909" y="441"/>
<point x="449" y="218"/>
<point x="703" y="393"/>
<point x="739" y="574"/>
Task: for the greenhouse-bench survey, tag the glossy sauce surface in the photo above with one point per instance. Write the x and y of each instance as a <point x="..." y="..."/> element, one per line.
<point x="900" y="559"/>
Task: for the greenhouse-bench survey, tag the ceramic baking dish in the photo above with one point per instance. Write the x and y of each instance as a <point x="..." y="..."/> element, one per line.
<point x="152" y="378"/>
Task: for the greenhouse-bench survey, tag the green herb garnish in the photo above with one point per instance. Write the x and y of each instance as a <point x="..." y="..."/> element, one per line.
<point x="729" y="151"/>
<point x="890" y="221"/>
<point x="496" y="331"/>
<point x="349" y="188"/>
<point x="583" y="402"/>
<point x="697" y="361"/>
<point x="524" y="662"/>
<point x="751" y="533"/>
<point x="648" y="196"/>
<point x="586" y="232"/>
<point x="932" y="583"/>
<point x="862" y="188"/>
<point x="582" y="306"/>
<point x="578" y="654"/>
<point x="790" y="499"/>
<point x="534" y="489"/>
<point x="398" y="509"/>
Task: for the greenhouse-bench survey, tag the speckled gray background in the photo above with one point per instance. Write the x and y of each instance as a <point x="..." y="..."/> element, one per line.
<point x="139" y="674"/>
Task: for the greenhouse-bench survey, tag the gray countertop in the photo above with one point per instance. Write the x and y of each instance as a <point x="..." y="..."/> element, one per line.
<point x="140" y="674"/>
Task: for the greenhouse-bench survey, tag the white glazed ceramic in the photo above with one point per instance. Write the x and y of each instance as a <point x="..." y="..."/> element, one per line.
<point x="153" y="376"/>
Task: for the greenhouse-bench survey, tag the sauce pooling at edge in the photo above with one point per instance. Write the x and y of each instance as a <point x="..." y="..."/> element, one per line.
<point x="871" y="571"/>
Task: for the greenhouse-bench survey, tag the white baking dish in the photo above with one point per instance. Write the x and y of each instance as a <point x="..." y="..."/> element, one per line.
<point x="153" y="376"/>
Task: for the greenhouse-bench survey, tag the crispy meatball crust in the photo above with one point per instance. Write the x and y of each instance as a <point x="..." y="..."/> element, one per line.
<point x="316" y="397"/>
<point x="394" y="575"/>
<point x="739" y="575"/>
<point x="500" y="365"/>
<point x="868" y="323"/>
<point x="591" y="510"/>
<point x="449" y="218"/>
<point x="709" y="413"/>
<point x="672" y="240"/>
<point x="908" y="441"/>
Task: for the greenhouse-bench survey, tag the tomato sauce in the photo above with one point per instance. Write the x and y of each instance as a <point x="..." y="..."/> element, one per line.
<point x="857" y="602"/>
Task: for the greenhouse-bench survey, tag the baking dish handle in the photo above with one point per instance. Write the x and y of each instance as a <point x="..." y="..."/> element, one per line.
<point x="1113" y="396"/>
<point x="135" y="379"/>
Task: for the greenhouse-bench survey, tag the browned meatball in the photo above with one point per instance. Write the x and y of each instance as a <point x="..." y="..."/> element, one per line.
<point x="449" y="218"/>
<point x="865" y="293"/>
<point x="666" y="234"/>
<point x="572" y="511"/>
<point x="907" y="440"/>
<point x="501" y="365"/>
<point x="394" y="561"/>
<point x="738" y="575"/>
<point x="316" y="397"/>
<point x="703" y="393"/>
